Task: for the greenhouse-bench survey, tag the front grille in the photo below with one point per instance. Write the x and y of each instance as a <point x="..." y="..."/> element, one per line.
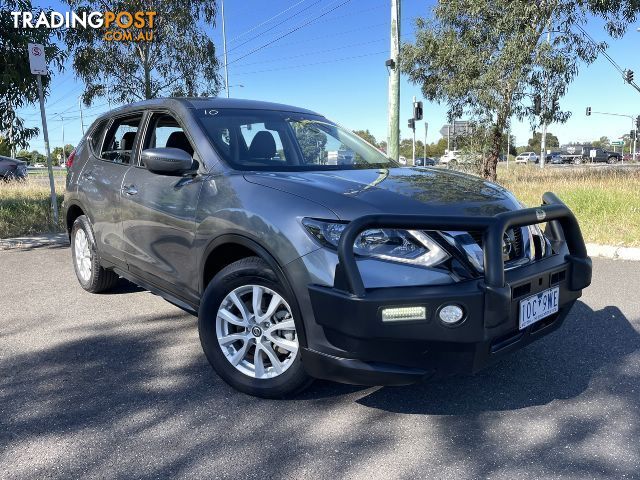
<point x="516" y="250"/>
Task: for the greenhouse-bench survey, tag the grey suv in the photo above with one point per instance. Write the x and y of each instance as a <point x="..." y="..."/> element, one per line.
<point x="300" y="265"/>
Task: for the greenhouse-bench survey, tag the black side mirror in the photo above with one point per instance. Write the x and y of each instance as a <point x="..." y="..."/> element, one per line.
<point x="167" y="160"/>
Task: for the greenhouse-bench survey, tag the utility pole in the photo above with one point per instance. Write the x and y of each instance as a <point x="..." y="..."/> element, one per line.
<point x="393" y="140"/>
<point x="64" y="154"/>
<point x="414" y="131"/>
<point x="426" y="127"/>
<point x="508" y="146"/>
<point x="224" y="47"/>
<point x="81" y="117"/>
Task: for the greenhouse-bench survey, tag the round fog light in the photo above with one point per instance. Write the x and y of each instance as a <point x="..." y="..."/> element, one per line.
<point x="451" y="314"/>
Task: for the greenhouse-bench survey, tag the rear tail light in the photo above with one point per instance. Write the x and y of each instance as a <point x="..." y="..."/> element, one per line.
<point x="70" y="159"/>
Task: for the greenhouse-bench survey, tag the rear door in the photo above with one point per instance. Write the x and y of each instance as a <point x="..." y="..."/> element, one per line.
<point x="159" y="214"/>
<point x="101" y="181"/>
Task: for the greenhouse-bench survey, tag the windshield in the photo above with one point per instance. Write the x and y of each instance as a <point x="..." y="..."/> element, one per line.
<point x="286" y="141"/>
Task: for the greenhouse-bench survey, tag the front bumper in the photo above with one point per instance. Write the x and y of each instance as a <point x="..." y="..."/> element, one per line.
<point x="358" y="347"/>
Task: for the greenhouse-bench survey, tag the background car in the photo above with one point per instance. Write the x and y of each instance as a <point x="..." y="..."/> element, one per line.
<point x="450" y="156"/>
<point x="425" y="162"/>
<point x="527" y="157"/>
<point x="10" y="168"/>
<point x="555" y="158"/>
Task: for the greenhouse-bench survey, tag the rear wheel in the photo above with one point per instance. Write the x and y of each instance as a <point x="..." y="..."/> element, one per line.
<point x="612" y="160"/>
<point x="92" y="277"/>
<point x="247" y="325"/>
<point x="577" y="161"/>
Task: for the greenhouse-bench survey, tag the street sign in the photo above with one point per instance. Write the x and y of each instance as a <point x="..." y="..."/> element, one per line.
<point x="617" y="143"/>
<point x="461" y="127"/>
<point x="37" y="60"/>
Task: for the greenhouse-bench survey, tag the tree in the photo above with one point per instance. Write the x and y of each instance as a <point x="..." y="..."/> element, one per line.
<point x="5" y="148"/>
<point x="535" y="143"/>
<point x="367" y="136"/>
<point x="180" y="60"/>
<point x="18" y="87"/>
<point x="490" y="59"/>
<point x="604" y="142"/>
<point x="58" y="157"/>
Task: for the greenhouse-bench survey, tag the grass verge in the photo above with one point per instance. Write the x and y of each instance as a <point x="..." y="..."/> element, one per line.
<point x="606" y="201"/>
<point x="25" y="208"/>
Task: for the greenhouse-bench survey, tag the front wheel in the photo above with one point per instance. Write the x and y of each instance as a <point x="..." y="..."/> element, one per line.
<point x="612" y="160"/>
<point x="92" y="277"/>
<point x="247" y="325"/>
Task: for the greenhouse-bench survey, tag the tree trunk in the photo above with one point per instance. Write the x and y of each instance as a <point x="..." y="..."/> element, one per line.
<point x="490" y="162"/>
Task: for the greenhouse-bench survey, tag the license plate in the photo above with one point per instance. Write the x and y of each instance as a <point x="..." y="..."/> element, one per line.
<point x="538" y="306"/>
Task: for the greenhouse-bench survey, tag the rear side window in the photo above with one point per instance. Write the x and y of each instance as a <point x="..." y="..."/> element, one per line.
<point x="95" y="139"/>
<point x="120" y="140"/>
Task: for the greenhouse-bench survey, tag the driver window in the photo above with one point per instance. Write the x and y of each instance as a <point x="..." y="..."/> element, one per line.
<point x="165" y="132"/>
<point x="120" y="140"/>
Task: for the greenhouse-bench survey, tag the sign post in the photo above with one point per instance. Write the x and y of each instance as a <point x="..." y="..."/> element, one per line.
<point x="38" y="64"/>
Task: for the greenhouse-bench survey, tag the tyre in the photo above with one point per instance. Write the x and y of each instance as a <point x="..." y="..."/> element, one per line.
<point x="247" y="324"/>
<point x="612" y="160"/>
<point x="577" y="161"/>
<point x="86" y="263"/>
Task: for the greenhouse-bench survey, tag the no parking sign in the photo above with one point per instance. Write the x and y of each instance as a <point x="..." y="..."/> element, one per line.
<point x="37" y="60"/>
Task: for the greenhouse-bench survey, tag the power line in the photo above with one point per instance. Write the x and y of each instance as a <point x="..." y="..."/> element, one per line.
<point x="288" y="33"/>
<point x="315" y="63"/>
<point x="266" y="21"/>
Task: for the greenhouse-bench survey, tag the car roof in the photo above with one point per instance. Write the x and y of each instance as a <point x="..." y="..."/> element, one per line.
<point x="193" y="103"/>
<point x="2" y="157"/>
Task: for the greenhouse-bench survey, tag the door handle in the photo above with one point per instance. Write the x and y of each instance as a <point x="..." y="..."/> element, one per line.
<point x="130" y="190"/>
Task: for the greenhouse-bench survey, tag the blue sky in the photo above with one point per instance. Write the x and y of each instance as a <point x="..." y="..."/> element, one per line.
<point x="335" y="66"/>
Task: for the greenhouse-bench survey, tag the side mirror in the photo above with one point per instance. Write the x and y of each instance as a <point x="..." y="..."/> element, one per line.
<point x="167" y="161"/>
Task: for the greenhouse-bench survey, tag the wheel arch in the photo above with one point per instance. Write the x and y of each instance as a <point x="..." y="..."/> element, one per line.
<point x="229" y="248"/>
<point x="73" y="211"/>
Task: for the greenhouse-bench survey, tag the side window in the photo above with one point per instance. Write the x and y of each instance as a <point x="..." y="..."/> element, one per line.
<point x="120" y="140"/>
<point x="264" y="145"/>
<point x="164" y="131"/>
<point x="96" y="136"/>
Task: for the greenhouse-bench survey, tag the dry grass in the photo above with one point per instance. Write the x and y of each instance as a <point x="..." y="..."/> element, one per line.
<point x="25" y="207"/>
<point x="605" y="200"/>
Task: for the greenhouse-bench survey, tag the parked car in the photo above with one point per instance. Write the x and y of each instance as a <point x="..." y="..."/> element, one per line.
<point x="12" y="169"/>
<point x="402" y="160"/>
<point x="362" y="273"/>
<point x="527" y="157"/>
<point x="425" y="162"/>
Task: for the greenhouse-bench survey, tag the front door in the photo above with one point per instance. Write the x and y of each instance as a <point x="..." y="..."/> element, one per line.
<point x="159" y="215"/>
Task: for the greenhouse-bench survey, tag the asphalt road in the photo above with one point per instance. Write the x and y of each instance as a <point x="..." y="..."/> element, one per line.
<point x="116" y="386"/>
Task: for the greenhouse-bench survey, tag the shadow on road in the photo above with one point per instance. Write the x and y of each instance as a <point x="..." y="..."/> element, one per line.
<point x="146" y="403"/>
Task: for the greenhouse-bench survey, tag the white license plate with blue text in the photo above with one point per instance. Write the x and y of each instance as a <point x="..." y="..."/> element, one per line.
<point x="539" y="306"/>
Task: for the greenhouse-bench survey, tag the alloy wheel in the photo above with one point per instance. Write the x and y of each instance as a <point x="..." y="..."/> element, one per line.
<point x="82" y="254"/>
<point x="256" y="331"/>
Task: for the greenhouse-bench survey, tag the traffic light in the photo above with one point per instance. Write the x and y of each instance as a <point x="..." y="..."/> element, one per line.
<point x="632" y="135"/>
<point x="628" y="76"/>
<point x="589" y="112"/>
<point x="638" y="122"/>
<point x="537" y="104"/>
<point x="412" y="124"/>
<point x="417" y="110"/>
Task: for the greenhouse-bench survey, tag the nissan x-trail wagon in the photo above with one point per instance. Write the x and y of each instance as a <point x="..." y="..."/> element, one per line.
<point x="307" y="253"/>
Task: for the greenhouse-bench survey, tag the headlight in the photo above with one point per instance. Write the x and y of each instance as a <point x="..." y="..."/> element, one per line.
<point x="405" y="246"/>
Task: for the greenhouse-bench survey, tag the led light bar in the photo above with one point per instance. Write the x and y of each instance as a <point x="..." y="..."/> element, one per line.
<point x="403" y="314"/>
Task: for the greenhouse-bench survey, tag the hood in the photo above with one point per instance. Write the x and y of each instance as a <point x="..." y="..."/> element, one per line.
<point x="353" y="193"/>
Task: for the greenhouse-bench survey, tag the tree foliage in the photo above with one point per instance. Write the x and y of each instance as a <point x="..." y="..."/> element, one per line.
<point x="179" y="61"/>
<point x="535" y="143"/>
<point x="367" y="136"/>
<point x="489" y="59"/>
<point x="18" y="87"/>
